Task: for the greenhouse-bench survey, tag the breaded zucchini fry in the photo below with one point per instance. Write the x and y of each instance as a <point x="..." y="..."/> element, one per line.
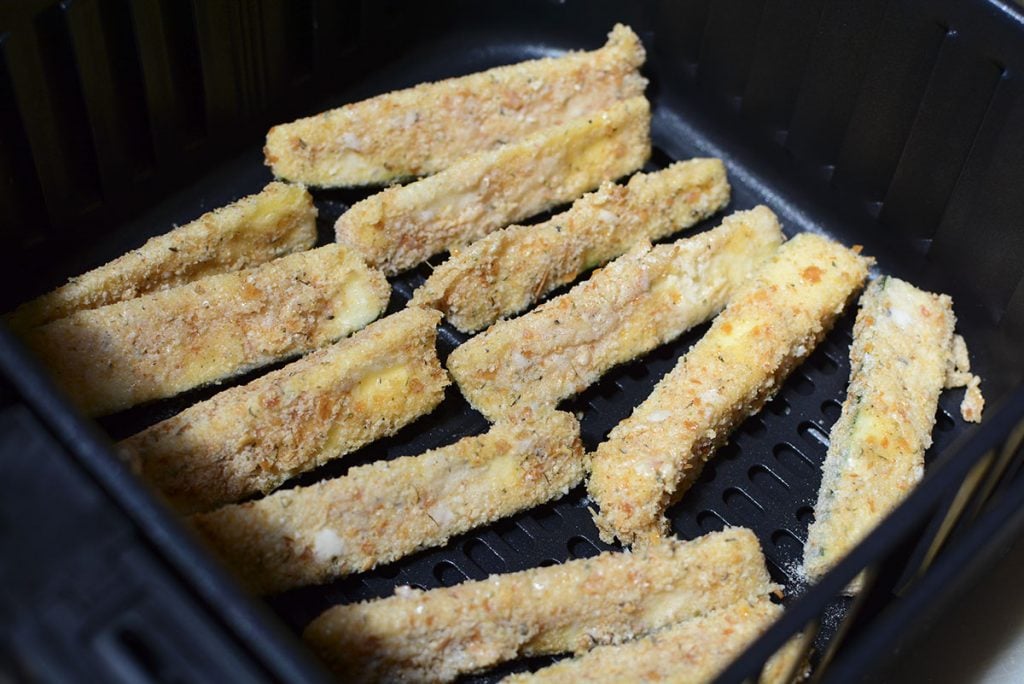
<point x="902" y="345"/>
<point x="694" y="650"/>
<point x="404" y="225"/>
<point x="640" y="300"/>
<point x="252" y="438"/>
<point x="651" y="458"/>
<point x="422" y="130"/>
<point x="166" y="342"/>
<point x="383" y="511"/>
<point x="417" y="636"/>
<point x="506" y="271"/>
<point x="259" y="228"/>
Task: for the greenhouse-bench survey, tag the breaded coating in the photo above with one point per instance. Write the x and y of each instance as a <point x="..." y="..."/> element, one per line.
<point x="650" y="459"/>
<point x="958" y="374"/>
<point x="380" y="512"/>
<point x="637" y="302"/>
<point x="424" y="129"/>
<point x="902" y="345"/>
<point x="508" y="270"/>
<point x="259" y="228"/>
<point x="417" y="636"/>
<point x="404" y="225"/>
<point x="252" y="438"/>
<point x="166" y="342"/>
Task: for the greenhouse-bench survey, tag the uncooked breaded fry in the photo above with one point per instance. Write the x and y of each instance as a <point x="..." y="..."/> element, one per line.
<point x="418" y="636"/>
<point x="380" y="512"/>
<point x="422" y="130"/>
<point x="252" y="438"/>
<point x="166" y="342"/>
<point x="692" y="651"/>
<point x="640" y="300"/>
<point x="506" y="271"/>
<point x="902" y="345"/>
<point x="259" y="228"/>
<point x="651" y="458"/>
<point x="404" y="225"/>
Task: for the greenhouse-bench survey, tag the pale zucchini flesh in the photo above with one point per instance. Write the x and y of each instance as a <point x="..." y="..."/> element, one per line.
<point x="383" y="511"/>
<point x="256" y="229"/>
<point x="425" y="129"/>
<point x="506" y="271"/>
<point x="773" y="322"/>
<point x="640" y="300"/>
<point x="402" y="226"/>
<point x="902" y="346"/>
<point x="438" y="635"/>
<point x="166" y="342"/>
<point x="252" y="438"/>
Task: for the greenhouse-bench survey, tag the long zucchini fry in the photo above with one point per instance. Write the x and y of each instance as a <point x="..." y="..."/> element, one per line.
<point x="640" y="300"/>
<point x="166" y="342"/>
<point x="422" y="130"/>
<point x="652" y="457"/>
<point x="417" y="636"/>
<point x="277" y="221"/>
<point x="695" y="650"/>
<point x="404" y="225"/>
<point x="506" y="271"/>
<point x="383" y="511"/>
<point x="252" y="438"/>
<point x="902" y="345"/>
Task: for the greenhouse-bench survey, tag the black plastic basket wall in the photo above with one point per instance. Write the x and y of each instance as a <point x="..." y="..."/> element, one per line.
<point x="895" y="125"/>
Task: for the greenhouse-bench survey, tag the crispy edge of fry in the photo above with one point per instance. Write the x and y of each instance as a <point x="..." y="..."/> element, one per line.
<point x="506" y="271"/>
<point x="402" y="226"/>
<point x="252" y="438"/>
<point x="383" y="511"/>
<point x="902" y="345"/>
<point x="642" y="299"/>
<point x="279" y="220"/>
<point x="442" y="633"/>
<point x="426" y="128"/>
<point x="651" y="458"/>
<point x="213" y="328"/>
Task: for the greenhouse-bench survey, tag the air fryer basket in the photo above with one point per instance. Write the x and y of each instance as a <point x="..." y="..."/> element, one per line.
<point x="886" y="124"/>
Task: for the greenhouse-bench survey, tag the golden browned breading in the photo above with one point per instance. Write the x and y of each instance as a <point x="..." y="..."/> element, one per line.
<point x="958" y="374"/>
<point x="422" y="130"/>
<point x="691" y="651"/>
<point x="277" y="221"/>
<point x="252" y="438"/>
<point x="902" y="346"/>
<point x="166" y="342"/>
<point x="506" y="271"/>
<point x="404" y="225"/>
<point x="640" y="300"/>
<point x="383" y="511"/>
<point x="652" y="457"/>
<point x="417" y="636"/>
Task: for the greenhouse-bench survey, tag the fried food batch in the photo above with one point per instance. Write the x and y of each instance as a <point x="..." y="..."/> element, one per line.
<point x="694" y="650"/>
<point x="650" y="459"/>
<point x="402" y="226"/>
<point x="427" y="128"/>
<point x="437" y="635"/>
<point x="642" y="299"/>
<point x="259" y="228"/>
<point x="508" y="270"/>
<point x="252" y="438"/>
<point x="380" y="512"/>
<point x="902" y="349"/>
<point x="166" y="342"/>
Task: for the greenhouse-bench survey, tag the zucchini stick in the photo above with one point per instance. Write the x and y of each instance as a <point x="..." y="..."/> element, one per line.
<point x="404" y="225"/>
<point x="651" y="458"/>
<point x="506" y="271"/>
<point x="642" y="299"/>
<point x="252" y="438"/>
